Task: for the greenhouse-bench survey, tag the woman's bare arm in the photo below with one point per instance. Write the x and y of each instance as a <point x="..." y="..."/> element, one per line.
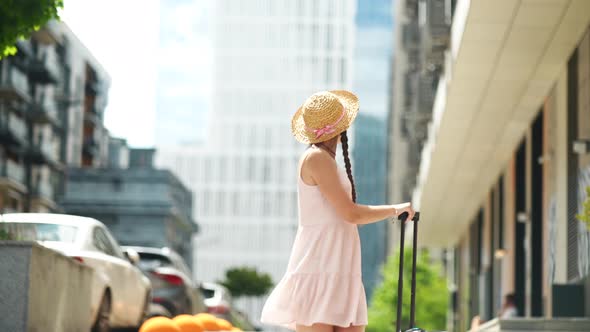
<point x="323" y="170"/>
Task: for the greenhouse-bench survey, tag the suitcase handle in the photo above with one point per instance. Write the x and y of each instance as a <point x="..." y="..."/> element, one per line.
<point x="400" y="284"/>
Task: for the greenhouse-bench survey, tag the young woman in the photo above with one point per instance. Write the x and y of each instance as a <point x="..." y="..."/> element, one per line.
<point x="322" y="290"/>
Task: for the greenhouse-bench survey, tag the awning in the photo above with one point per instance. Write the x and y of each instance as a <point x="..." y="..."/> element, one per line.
<point x="505" y="57"/>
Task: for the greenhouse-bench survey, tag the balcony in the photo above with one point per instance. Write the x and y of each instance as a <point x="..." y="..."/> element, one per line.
<point x="90" y="147"/>
<point x="13" y="129"/>
<point x="43" y="189"/>
<point x="13" y="82"/>
<point x="13" y="171"/>
<point x="411" y="7"/>
<point x="434" y="36"/>
<point x="91" y="115"/>
<point x="43" y="152"/>
<point x="43" y="110"/>
<point x="92" y="88"/>
<point x="48" y="34"/>
<point x="44" y="67"/>
<point x="411" y="35"/>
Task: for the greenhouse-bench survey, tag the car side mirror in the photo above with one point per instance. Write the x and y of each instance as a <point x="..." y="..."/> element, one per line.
<point x="132" y="256"/>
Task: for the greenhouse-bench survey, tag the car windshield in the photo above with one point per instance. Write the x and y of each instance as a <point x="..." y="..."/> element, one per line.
<point x="149" y="261"/>
<point x="207" y="293"/>
<point x="38" y="232"/>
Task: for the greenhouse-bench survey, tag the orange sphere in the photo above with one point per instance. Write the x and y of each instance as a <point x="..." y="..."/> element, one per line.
<point x="188" y="323"/>
<point x="159" y="324"/>
<point x="208" y="321"/>
<point x="205" y="315"/>
<point x="224" y="325"/>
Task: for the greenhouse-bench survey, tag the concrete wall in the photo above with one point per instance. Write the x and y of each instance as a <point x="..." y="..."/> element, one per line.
<point x="42" y="290"/>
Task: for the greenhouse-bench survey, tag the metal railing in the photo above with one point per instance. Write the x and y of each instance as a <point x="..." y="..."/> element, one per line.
<point x="14" y="171"/>
<point x="17" y="126"/>
<point x="14" y="78"/>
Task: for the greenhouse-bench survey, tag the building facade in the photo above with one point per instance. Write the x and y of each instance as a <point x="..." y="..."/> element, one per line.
<point x="506" y="160"/>
<point x="371" y="82"/>
<point x="421" y="35"/>
<point x="141" y="205"/>
<point x="52" y="99"/>
<point x="370" y="178"/>
<point x="269" y="56"/>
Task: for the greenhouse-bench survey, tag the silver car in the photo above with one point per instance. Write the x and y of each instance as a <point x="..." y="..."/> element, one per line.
<point x="174" y="290"/>
<point x="219" y="303"/>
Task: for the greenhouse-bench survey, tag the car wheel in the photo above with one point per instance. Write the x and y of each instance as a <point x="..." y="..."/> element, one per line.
<point x="102" y="323"/>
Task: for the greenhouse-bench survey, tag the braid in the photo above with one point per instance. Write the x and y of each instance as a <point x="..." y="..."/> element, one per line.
<point x="344" y="141"/>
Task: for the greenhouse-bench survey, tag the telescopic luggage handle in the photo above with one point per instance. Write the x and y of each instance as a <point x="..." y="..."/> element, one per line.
<point x="400" y="285"/>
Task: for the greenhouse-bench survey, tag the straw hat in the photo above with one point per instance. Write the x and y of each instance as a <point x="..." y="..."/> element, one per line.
<point x="324" y="115"/>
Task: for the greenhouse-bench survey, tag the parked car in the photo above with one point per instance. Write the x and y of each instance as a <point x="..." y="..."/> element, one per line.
<point x="219" y="303"/>
<point x="174" y="290"/>
<point x="120" y="292"/>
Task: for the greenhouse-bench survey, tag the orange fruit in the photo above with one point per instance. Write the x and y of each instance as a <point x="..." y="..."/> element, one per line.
<point x="224" y="325"/>
<point x="208" y="321"/>
<point x="188" y="323"/>
<point x="159" y="324"/>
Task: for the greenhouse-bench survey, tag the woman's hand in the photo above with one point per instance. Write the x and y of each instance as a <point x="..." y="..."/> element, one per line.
<point x="405" y="207"/>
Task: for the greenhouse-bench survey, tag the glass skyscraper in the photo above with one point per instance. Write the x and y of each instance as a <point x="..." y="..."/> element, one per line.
<point x="269" y="56"/>
<point x="373" y="52"/>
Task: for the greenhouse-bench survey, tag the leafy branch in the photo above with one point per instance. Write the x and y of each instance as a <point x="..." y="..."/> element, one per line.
<point x="20" y="18"/>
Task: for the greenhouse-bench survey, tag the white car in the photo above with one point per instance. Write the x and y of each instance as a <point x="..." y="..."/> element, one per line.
<point x="120" y="292"/>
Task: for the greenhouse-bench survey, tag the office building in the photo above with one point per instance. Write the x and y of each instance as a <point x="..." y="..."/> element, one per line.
<point x="269" y="56"/>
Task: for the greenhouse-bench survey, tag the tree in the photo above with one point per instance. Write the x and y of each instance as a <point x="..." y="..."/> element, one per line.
<point x="246" y="281"/>
<point x="431" y="295"/>
<point x="585" y="215"/>
<point x="20" y="18"/>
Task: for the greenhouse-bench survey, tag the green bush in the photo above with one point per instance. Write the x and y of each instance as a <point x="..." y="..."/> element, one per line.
<point x="431" y="295"/>
<point x="246" y="281"/>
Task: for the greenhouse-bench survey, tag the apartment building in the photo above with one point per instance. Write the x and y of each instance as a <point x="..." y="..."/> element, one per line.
<point x="52" y="99"/>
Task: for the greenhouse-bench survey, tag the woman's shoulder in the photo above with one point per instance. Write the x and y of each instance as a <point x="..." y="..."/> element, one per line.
<point x="317" y="156"/>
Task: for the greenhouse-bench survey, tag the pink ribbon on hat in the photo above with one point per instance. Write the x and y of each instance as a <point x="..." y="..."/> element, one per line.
<point x="327" y="129"/>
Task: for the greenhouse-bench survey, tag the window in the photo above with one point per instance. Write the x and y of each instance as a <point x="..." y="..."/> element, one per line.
<point x="150" y="261"/>
<point x="251" y="170"/>
<point x="328" y="69"/>
<point x="315" y="36"/>
<point x="102" y="242"/>
<point x="220" y="203"/>
<point x="279" y="204"/>
<point x="294" y="204"/>
<point x="206" y="202"/>
<point x="222" y="170"/>
<point x="266" y="170"/>
<point x="329" y="37"/>
<point x="235" y="203"/>
<point x="342" y="71"/>
<point x="39" y="232"/>
<point x="266" y="205"/>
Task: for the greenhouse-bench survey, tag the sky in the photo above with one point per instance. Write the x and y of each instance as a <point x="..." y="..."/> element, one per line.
<point x="125" y="37"/>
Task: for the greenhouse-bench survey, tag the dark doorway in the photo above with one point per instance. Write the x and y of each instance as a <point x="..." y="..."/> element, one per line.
<point x="520" y="227"/>
<point x="537" y="217"/>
